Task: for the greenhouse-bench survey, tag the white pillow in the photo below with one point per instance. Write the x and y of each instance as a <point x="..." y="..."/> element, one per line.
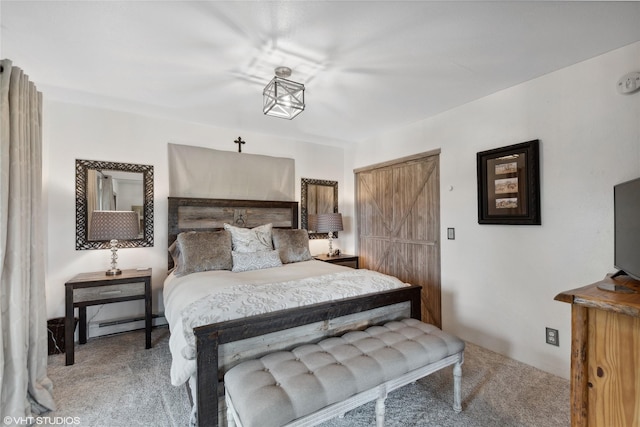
<point x="247" y="261"/>
<point x="250" y="239"/>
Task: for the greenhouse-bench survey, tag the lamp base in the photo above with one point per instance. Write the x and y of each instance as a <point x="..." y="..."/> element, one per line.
<point x="331" y="251"/>
<point x="114" y="270"/>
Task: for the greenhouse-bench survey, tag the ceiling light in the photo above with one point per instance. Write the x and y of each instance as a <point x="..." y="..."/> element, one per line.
<point x="281" y="97"/>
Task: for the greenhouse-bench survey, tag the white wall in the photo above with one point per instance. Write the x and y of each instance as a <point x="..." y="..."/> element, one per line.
<point x="499" y="282"/>
<point x="78" y="132"/>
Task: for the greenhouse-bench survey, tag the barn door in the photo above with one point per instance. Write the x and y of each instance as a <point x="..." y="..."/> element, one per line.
<point x="398" y="216"/>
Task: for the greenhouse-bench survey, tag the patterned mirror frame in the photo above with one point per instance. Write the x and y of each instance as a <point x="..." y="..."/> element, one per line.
<point x="304" y="213"/>
<point x="82" y="168"/>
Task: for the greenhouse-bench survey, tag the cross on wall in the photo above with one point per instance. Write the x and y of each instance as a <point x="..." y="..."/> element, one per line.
<point x="239" y="141"/>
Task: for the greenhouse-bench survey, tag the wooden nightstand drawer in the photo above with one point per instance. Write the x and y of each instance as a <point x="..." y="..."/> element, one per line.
<point x="107" y="292"/>
<point x="342" y="259"/>
<point x="352" y="263"/>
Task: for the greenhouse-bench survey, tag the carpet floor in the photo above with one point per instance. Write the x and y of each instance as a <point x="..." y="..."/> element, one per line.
<point x="116" y="382"/>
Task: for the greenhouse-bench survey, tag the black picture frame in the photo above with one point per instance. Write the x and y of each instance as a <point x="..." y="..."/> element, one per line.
<point x="509" y="185"/>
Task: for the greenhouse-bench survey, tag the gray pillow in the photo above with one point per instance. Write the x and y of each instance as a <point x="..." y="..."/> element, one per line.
<point x="203" y="251"/>
<point x="247" y="261"/>
<point x="292" y="245"/>
<point x="174" y="251"/>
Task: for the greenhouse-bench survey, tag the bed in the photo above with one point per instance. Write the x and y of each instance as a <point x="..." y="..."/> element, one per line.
<point x="226" y="308"/>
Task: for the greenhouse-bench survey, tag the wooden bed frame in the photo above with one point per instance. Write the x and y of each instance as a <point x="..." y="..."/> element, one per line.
<point x="309" y="323"/>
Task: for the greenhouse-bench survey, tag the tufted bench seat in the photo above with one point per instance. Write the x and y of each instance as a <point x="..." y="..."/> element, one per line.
<point x="317" y="382"/>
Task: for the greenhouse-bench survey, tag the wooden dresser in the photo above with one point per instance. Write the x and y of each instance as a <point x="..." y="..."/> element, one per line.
<point x="605" y="353"/>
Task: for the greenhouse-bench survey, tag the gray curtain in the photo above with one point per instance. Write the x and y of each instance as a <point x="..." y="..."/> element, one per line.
<point x="25" y="389"/>
<point x="92" y="196"/>
<point x="106" y="195"/>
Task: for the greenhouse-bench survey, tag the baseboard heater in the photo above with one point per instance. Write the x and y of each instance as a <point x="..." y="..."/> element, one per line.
<point x="105" y="327"/>
<point x="127" y="320"/>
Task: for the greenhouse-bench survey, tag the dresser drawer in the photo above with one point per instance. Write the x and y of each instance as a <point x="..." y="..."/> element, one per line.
<point x="107" y="292"/>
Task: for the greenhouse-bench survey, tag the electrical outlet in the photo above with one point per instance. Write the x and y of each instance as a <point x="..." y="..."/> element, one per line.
<point x="552" y="337"/>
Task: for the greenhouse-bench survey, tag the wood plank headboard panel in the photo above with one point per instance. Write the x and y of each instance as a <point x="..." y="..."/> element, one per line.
<point x="193" y="214"/>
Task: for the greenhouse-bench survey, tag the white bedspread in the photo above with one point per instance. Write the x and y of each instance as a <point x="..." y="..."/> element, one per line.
<point x="215" y="296"/>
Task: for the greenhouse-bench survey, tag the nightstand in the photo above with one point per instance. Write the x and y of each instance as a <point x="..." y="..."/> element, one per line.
<point x="97" y="288"/>
<point x="342" y="259"/>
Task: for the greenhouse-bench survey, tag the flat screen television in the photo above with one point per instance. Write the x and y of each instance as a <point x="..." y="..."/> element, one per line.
<point x="626" y="203"/>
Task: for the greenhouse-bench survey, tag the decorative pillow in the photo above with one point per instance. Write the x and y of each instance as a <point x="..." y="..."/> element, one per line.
<point x="247" y="261"/>
<point x="174" y="251"/>
<point x="292" y="245"/>
<point x="250" y="239"/>
<point x="203" y="251"/>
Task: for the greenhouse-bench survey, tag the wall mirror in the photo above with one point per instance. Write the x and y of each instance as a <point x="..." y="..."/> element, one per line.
<point x="318" y="196"/>
<point x="113" y="186"/>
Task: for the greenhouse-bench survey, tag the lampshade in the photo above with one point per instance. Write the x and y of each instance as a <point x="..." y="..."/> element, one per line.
<point x="283" y="98"/>
<point x="118" y="225"/>
<point x="326" y="222"/>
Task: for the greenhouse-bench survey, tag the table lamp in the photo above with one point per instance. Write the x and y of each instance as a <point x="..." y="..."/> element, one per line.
<point x="326" y="223"/>
<point x="114" y="225"/>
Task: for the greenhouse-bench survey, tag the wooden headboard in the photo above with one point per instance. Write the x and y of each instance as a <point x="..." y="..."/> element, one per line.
<point x="191" y="214"/>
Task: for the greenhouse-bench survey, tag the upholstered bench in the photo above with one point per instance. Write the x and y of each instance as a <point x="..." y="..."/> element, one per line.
<point x="317" y="382"/>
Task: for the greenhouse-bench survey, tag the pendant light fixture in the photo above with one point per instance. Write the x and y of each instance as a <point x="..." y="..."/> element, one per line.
<point x="281" y="97"/>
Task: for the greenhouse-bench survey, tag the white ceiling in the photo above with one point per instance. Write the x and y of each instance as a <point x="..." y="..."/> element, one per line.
<point x="368" y="66"/>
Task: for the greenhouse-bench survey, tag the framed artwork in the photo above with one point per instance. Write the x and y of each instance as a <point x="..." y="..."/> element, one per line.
<point x="509" y="185"/>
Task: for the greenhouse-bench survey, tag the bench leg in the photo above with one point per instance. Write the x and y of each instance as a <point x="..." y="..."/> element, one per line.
<point x="457" y="384"/>
<point x="380" y="411"/>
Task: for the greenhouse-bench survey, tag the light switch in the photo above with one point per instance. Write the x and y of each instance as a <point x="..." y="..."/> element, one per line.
<point x="451" y="233"/>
